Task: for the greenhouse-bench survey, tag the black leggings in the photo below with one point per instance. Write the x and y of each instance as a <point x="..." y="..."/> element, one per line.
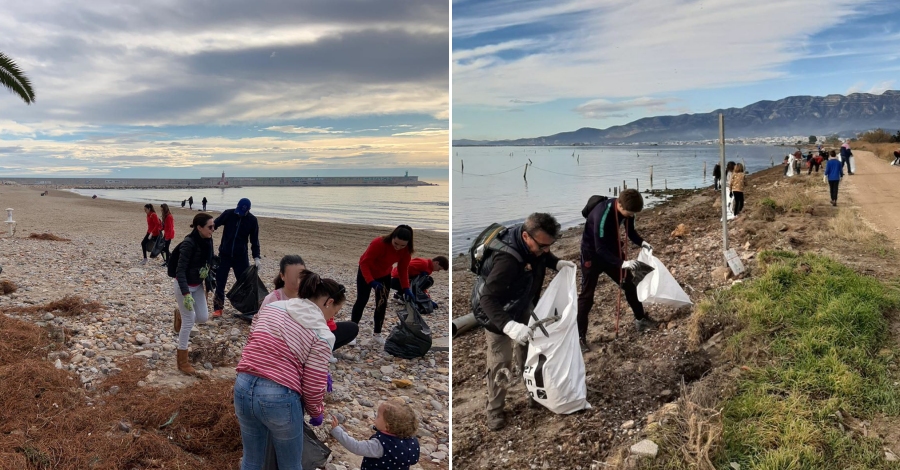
<point x="165" y="253"/>
<point x="833" y="186"/>
<point x="346" y="331"/>
<point x="738" y="201"/>
<point x="147" y="237"/>
<point x="363" y="291"/>
<point x="589" y="278"/>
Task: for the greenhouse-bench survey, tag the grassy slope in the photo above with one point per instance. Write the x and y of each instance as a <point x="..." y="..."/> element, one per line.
<point x="816" y="353"/>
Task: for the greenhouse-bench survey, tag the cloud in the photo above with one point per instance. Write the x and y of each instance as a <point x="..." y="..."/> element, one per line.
<point x="424" y="132"/>
<point x="158" y="63"/>
<point x="302" y="130"/>
<point x="616" y="49"/>
<point x="602" y="109"/>
<point x="875" y="89"/>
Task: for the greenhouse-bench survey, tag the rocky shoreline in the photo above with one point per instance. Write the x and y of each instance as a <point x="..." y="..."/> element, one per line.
<point x="136" y="309"/>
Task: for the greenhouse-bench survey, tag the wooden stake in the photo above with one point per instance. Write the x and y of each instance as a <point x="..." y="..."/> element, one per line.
<point x="525" y="175"/>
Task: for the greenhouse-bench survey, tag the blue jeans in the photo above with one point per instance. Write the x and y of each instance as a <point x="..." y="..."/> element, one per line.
<point x="266" y="408"/>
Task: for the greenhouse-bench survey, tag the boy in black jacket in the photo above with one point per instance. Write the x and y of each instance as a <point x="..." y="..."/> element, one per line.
<point x="603" y="251"/>
<point x="240" y="227"/>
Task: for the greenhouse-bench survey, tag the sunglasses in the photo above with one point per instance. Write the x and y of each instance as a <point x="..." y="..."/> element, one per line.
<point x="540" y="245"/>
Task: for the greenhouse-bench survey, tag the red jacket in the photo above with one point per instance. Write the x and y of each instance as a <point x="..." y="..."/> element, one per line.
<point x="416" y="266"/>
<point x="153" y="226"/>
<point x="378" y="259"/>
<point x="169" y="227"/>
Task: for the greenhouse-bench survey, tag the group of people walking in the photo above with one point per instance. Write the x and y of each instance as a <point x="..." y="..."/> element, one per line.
<point x="285" y="363"/>
<point x="162" y="225"/>
<point x="734" y="181"/>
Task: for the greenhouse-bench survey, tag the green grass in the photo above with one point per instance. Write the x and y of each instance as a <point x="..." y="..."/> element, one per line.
<point x="821" y="327"/>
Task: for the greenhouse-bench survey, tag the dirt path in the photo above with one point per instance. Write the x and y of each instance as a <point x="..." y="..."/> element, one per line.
<point x="872" y="189"/>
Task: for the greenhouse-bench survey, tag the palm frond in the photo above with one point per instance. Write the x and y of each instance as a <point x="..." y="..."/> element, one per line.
<point x="12" y="77"/>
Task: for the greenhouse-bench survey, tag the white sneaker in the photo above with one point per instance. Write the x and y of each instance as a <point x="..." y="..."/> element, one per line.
<point x="352" y="343"/>
<point x="144" y="261"/>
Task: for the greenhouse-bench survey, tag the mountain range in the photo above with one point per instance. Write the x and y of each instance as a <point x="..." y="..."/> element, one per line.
<point x="791" y="116"/>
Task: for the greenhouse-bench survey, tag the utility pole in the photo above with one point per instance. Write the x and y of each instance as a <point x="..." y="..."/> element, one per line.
<point x="724" y="190"/>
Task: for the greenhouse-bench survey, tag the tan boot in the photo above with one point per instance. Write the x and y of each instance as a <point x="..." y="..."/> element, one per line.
<point x="177" y="321"/>
<point x="184" y="364"/>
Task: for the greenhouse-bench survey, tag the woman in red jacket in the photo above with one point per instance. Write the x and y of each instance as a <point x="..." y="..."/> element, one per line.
<point x="375" y="273"/>
<point x="153" y="228"/>
<point x="168" y="225"/>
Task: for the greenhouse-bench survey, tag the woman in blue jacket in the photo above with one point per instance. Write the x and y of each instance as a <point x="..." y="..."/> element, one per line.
<point x="834" y="171"/>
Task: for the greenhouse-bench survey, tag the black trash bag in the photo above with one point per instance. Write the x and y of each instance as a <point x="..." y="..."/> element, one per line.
<point x="248" y="293"/>
<point x="419" y="286"/>
<point x="158" y="244"/>
<point x="640" y="271"/>
<point x="315" y="452"/>
<point x="150" y="243"/>
<point x="411" y="338"/>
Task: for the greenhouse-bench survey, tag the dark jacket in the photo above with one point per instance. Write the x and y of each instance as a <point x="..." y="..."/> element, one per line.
<point x="194" y="253"/>
<point x="600" y="240"/>
<point x="509" y="283"/>
<point x="237" y="231"/>
<point x="717" y="171"/>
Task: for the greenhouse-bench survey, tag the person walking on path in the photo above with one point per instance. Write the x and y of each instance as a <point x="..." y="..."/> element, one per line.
<point x="195" y="255"/>
<point x="717" y="176"/>
<point x="204" y="203"/>
<point x="509" y="284"/>
<point x="374" y="273"/>
<point x="240" y="227"/>
<point x="603" y="251"/>
<point x="284" y="370"/>
<point x="896" y="157"/>
<point x="737" y="188"/>
<point x="168" y="228"/>
<point x="153" y="228"/>
<point x="846" y="155"/>
<point x="834" y="171"/>
<point x="191" y="203"/>
<point x="287" y="286"/>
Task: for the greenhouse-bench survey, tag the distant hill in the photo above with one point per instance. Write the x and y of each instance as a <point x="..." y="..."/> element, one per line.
<point x="791" y="116"/>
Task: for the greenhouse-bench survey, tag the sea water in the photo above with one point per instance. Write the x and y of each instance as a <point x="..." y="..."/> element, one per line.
<point x="493" y="187"/>
<point x="421" y="207"/>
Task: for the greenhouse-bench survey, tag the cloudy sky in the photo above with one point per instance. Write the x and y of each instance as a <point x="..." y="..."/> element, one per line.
<point x="264" y="87"/>
<point x="527" y="68"/>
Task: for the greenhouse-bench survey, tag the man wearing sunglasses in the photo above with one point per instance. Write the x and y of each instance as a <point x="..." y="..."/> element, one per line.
<point x="603" y="250"/>
<point x="507" y="289"/>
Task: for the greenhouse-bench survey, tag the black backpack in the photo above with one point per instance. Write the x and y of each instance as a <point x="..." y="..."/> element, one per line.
<point x="172" y="263"/>
<point x="488" y="240"/>
<point x="591" y="204"/>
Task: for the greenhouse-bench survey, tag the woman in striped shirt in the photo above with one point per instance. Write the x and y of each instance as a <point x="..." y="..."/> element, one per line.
<point x="284" y="370"/>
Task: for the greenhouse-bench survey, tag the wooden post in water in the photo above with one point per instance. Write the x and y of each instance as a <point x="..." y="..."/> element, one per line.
<point x="615" y="192"/>
<point x="637" y="184"/>
<point x="624" y="186"/>
<point x="704" y="171"/>
<point x="462" y="164"/>
<point x="651" y="176"/>
<point x="525" y="175"/>
<point x="666" y="184"/>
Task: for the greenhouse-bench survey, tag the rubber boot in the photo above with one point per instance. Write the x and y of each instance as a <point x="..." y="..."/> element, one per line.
<point x="184" y="365"/>
<point x="177" y="322"/>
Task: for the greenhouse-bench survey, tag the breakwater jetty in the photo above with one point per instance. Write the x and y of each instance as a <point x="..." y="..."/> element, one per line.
<point x="215" y="182"/>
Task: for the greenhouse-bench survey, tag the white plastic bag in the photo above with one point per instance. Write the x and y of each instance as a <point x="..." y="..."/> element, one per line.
<point x="660" y="287"/>
<point x="554" y="368"/>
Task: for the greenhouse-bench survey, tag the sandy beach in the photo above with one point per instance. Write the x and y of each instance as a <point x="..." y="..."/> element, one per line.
<point x="101" y="263"/>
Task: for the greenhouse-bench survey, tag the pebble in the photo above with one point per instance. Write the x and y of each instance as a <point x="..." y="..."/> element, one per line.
<point x="137" y="322"/>
<point x="645" y="448"/>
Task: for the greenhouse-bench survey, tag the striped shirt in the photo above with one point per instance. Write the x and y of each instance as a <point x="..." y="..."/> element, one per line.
<point x="285" y="352"/>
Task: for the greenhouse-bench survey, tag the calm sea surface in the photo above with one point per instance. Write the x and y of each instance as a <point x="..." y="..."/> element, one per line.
<point x="492" y="188"/>
<point x="422" y="207"/>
